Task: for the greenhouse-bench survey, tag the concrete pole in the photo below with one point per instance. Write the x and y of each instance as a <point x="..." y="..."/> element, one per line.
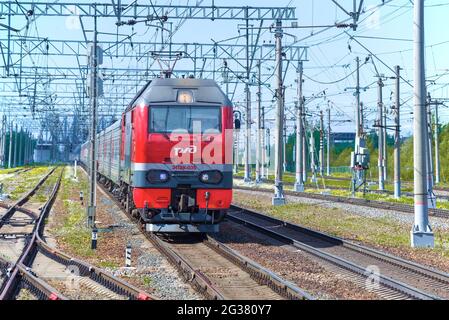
<point x="15" y="146"/>
<point x="430" y="194"/>
<point x="437" y="146"/>
<point x="25" y="148"/>
<point x="2" y="138"/>
<point x="284" y="145"/>
<point x="20" y="153"/>
<point x="278" y="198"/>
<point x="10" y="146"/>
<point x="30" y="149"/>
<point x="247" y="177"/>
<point x="397" y="137"/>
<point x="358" y="120"/>
<point x="267" y="151"/>
<point x="321" y="156"/>
<point x="25" y="145"/>
<point x="264" y="174"/>
<point x="380" y="135"/>
<point x="259" y="125"/>
<point x="3" y="144"/>
<point x="328" y="162"/>
<point x="356" y="174"/>
<point x="421" y="234"/>
<point x="304" y="148"/>
<point x="312" y="154"/>
<point x="385" y="153"/>
<point x="247" y="157"/>
<point x="93" y="136"/>
<point x="299" y="180"/>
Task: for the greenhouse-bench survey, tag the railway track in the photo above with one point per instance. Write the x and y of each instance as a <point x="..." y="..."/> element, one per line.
<point x="396" y="277"/>
<point x="401" y="207"/>
<point x="383" y="192"/>
<point x="16" y="172"/>
<point x="37" y="259"/>
<point x="216" y="271"/>
<point x="435" y="188"/>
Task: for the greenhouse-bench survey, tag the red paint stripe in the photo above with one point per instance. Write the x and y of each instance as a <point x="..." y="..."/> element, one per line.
<point x="53" y="296"/>
<point x="143" y="296"/>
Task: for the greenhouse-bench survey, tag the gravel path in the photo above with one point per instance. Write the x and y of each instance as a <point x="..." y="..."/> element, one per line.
<point x="162" y="277"/>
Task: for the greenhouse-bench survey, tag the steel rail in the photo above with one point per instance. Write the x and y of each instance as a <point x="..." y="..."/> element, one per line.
<point x="399" y="286"/>
<point x="22" y="270"/>
<point x="262" y="275"/>
<point x="385" y="192"/>
<point x="9" y="213"/>
<point x="19" y="270"/>
<point x="401" y="207"/>
<point x="196" y="278"/>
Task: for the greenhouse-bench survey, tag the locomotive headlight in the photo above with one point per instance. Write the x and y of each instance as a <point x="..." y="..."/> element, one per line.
<point x="185" y="96"/>
<point x="211" y="177"/>
<point x="157" y="176"/>
<point x="163" y="176"/>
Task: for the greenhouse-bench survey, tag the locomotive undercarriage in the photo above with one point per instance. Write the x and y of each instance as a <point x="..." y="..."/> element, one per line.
<point x="183" y="215"/>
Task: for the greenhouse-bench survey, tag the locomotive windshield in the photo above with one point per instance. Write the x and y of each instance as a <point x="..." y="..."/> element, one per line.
<point x="166" y="119"/>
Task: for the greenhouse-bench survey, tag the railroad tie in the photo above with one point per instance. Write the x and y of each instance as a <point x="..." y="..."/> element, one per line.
<point x="100" y="290"/>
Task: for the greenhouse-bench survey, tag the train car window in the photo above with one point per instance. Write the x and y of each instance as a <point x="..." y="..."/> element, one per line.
<point x="166" y="119"/>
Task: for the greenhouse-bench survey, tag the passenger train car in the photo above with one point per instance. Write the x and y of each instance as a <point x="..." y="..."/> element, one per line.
<point x="169" y="159"/>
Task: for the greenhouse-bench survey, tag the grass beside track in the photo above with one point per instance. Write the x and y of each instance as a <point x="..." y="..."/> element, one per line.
<point x="72" y="229"/>
<point x="68" y="226"/>
<point x="381" y="232"/>
<point x="326" y="182"/>
<point x="323" y="183"/>
<point x="8" y="170"/>
<point x="16" y="186"/>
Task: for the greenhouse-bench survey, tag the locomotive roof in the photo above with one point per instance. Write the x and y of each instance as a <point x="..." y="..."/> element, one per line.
<point x="162" y="90"/>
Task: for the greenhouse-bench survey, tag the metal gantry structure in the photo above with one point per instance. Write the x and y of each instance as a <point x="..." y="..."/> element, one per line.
<point x="44" y="83"/>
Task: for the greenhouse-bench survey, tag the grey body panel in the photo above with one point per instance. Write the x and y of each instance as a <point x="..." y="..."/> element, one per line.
<point x="109" y="152"/>
<point x="163" y="91"/>
<point x="126" y="170"/>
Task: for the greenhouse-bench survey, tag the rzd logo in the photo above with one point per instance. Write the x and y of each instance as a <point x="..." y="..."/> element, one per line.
<point x="191" y="149"/>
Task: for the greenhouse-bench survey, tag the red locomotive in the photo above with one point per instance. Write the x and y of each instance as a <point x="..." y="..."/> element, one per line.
<point x="169" y="159"/>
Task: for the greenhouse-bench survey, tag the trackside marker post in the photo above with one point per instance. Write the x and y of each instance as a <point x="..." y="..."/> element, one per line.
<point x="128" y="256"/>
<point x="94" y="238"/>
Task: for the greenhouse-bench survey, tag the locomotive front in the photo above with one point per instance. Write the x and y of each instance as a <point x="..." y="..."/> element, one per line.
<point x="179" y="138"/>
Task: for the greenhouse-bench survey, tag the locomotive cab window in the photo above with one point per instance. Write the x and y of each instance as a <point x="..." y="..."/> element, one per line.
<point x="166" y="119"/>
